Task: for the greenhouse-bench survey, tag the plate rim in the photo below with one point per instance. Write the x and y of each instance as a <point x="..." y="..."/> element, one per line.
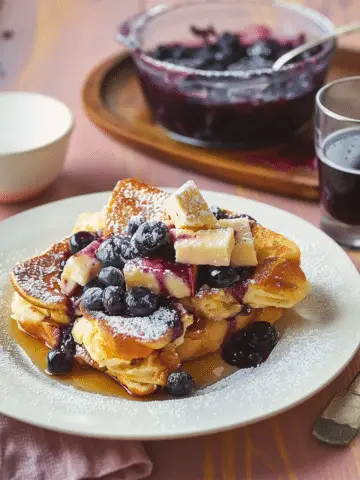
<point x="53" y="425"/>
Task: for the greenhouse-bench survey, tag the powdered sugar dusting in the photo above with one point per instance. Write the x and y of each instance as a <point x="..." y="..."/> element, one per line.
<point x="149" y="328"/>
<point x="190" y="200"/>
<point x="39" y="277"/>
<point x="130" y="198"/>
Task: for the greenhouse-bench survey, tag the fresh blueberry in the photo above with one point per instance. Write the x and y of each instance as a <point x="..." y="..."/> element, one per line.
<point x="126" y="249"/>
<point x="116" y="251"/>
<point x="92" y="284"/>
<point x="60" y="361"/>
<point x="112" y="276"/>
<point x="151" y="236"/>
<point x="141" y="301"/>
<point x="134" y="223"/>
<point x="80" y="240"/>
<point x="93" y="299"/>
<point x="67" y="340"/>
<point x="266" y="49"/>
<point x="109" y="254"/>
<point x="240" y="355"/>
<point x="179" y="384"/>
<point x="251" y="346"/>
<point x="222" y="277"/>
<point x="262" y="336"/>
<point x="218" y="212"/>
<point x="113" y="300"/>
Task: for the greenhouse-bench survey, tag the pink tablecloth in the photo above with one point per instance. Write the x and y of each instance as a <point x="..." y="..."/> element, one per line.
<point x="55" y="44"/>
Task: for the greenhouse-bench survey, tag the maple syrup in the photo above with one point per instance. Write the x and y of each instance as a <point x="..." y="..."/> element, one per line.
<point x="205" y="371"/>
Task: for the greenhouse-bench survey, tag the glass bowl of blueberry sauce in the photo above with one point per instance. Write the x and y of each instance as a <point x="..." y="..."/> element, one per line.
<point x="206" y="70"/>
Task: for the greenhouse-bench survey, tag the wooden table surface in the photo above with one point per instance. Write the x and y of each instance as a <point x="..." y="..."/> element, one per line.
<point x="55" y="43"/>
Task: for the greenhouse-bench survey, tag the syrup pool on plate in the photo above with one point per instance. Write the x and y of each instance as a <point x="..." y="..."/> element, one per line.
<point x="205" y="371"/>
<point x="339" y="168"/>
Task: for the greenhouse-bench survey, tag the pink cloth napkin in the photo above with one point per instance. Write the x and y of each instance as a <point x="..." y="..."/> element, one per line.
<point x="32" y="453"/>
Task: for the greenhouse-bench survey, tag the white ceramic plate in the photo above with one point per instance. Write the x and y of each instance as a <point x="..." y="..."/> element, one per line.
<point x="319" y="338"/>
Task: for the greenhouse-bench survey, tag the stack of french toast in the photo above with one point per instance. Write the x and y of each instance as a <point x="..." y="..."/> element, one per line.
<point x="155" y="280"/>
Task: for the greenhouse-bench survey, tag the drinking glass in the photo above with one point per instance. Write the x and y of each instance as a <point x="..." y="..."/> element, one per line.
<point x="337" y="144"/>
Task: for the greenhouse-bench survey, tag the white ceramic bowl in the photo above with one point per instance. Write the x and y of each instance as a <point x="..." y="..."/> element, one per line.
<point x="34" y="136"/>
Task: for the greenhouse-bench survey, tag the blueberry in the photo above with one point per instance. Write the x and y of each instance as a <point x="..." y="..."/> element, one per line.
<point x="92" y="284"/>
<point x="222" y="277"/>
<point x="113" y="300"/>
<point x="162" y="52"/>
<point x="60" y="361"/>
<point x="134" y="223"/>
<point x="240" y="355"/>
<point x="126" y="248"/>
<point x="112" y="276"/>
<point x="116" y="251"/>
<point x="179" y="52"/>
<point x="251" y="346"/>
<point x="266" y="49"/>
<point x="262" y="336"/>
<point x="67" y="340"/>
<point x="179" y="384"/>
<point x="141" y="301"/>
<point x="228" y="41"/>
<point x="93" y="299"/>
<point x="80" y="240"/>
<point x="151" y="236"/>
<point x="218" y="212"/>
<point x="108" y="254"/>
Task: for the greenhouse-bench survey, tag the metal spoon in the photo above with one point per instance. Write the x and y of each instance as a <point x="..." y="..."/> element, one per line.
<point x="338" y="32"/>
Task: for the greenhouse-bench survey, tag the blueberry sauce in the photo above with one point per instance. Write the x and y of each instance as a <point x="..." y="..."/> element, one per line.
<point x="231" y="111"/>
<point x="238" y="291"/>
<point x="159" y="267"/>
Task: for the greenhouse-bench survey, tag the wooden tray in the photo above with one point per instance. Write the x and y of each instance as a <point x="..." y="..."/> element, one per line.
<point x="114" y="102"/>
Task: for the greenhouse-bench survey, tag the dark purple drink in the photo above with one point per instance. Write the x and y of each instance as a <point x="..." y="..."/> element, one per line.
<point x="339" y="167"/>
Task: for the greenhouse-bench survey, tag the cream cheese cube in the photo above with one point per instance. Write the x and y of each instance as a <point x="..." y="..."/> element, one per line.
<point x="204" y="247"/>
<point x="188" y="208"/>
<point x="161" y="276"/>
<point x="243" y="253"/>
<point x="80" y="268"/>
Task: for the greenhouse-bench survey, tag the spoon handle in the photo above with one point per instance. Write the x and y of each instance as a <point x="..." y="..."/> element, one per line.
<point x="338" y="32"/>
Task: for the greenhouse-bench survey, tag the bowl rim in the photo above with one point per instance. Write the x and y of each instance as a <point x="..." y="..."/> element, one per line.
<point x="65" y="133"/>
<point x="159" y="10"/>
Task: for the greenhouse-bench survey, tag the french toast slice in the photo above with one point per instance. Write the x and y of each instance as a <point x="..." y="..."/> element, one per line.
<point x="130" y="198"/>
<point x="37" y="280"/>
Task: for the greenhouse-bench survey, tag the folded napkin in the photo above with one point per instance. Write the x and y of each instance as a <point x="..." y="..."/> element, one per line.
<point x="32" y="453"/>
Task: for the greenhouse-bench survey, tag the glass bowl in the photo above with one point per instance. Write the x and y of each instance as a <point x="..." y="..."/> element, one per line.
<point x="234" y="108"/>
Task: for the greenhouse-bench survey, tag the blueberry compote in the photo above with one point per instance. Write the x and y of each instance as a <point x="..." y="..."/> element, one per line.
<point x="339" y="167"/>
<point x="242" y="106"/>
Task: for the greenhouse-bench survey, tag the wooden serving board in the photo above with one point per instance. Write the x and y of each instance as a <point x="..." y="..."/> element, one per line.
<point x="114" y="102"/>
